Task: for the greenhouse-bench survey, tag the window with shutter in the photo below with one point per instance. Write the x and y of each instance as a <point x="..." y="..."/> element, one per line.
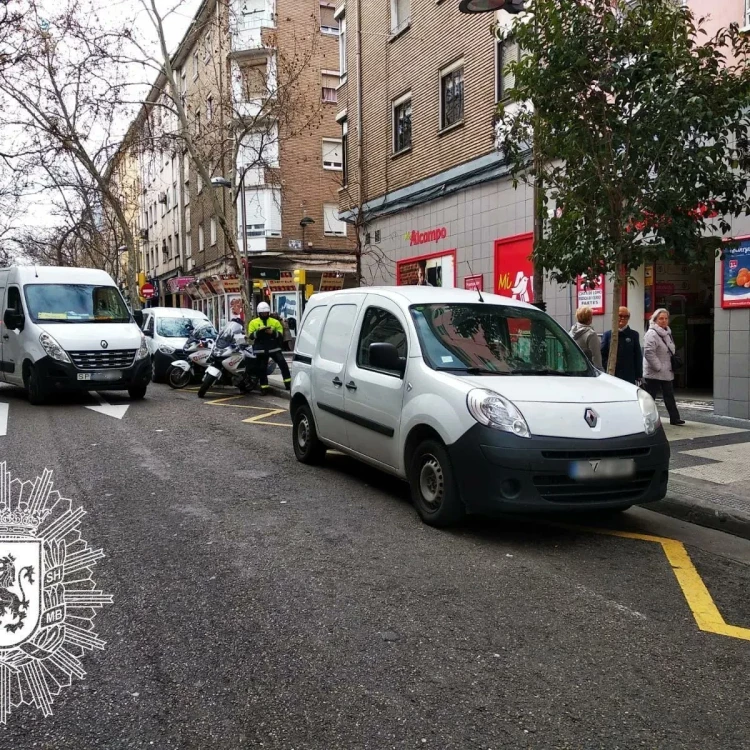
<point x="330" y="84"/>
<point x="332" y="154"/>
<point x="328" y="24"/>
<point x="507" y="51"/>
<point x="332" y="225"/>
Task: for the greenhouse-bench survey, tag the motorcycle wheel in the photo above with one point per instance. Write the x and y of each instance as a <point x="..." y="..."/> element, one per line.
<point x="178" y="378"/>
<point x="208" y="381"/>
<point x="250" y="384"/>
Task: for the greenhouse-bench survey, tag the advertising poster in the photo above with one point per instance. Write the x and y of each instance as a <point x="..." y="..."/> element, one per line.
<point x="286" y="304"/>
<point x="438" y="269"/>
<point x="234" y="306"/>
<point x="591" y="293"/>
<point x="474" y="283"/>
<point x="514" y="271"/>
<point x="735" y="276"/>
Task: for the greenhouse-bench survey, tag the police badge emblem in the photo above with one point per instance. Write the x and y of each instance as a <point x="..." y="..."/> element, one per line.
<point x="48" y="599"/>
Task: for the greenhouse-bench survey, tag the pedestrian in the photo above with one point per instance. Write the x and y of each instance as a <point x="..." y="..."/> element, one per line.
<point x="422" y="274"/>
<point x="267" y="335"/>
<point x="586" y="337"/>
<point x="629" y="356"/>
<point x="658" y="350"/>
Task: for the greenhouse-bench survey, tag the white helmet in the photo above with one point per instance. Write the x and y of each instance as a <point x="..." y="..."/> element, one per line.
<point x="264" y="307"/>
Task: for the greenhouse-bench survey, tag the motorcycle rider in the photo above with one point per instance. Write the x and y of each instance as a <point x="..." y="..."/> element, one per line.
<point x="267" y="335"/>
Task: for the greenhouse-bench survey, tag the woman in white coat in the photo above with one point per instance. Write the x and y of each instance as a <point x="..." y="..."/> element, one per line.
<point x="658" y="348"/>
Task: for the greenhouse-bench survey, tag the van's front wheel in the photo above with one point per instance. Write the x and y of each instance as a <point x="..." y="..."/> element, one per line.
<point x="307" y="447"/>
<point x="433" y="487"/>
<point x="35" y="388"/>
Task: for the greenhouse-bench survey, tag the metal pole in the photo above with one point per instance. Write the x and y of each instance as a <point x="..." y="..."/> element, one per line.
<point x="249" y="279"/>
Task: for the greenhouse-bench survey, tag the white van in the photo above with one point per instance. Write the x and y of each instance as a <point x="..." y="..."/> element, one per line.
<point x="480" y="402"/>
<point x="67" y="329"/>
<point x="167" y="330"/>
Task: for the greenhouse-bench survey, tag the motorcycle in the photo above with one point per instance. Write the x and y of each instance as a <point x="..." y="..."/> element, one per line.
<point x="232" y="361"/>
<point x="194" y="358"/>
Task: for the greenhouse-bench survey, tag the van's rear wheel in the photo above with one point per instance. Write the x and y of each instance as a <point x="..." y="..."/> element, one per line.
<point x="307" y="447"/>
<point x="35" y="388"/>
<point x="137" y="393"/>
<point x="433" y="486"/>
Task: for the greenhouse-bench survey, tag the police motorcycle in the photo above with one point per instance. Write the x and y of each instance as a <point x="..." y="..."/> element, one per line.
<point x="192" y="360"/>
<point x="232" y="361"/>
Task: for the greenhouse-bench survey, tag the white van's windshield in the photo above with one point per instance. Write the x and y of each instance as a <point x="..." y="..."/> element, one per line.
<point x="75" y="303"/>
<point x="178" y="328"/>
<point x="496" y="340"/>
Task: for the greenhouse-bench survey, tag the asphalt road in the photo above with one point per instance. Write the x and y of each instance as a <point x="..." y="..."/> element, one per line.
<point x="259" y="603"/>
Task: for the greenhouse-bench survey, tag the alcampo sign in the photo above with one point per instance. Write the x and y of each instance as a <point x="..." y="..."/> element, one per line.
<point x="422" y="238"/>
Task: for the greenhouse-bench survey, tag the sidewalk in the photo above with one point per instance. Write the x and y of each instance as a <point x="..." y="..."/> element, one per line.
<point x="709" y="478"/>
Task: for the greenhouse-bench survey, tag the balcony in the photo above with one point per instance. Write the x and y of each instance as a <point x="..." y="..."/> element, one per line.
<point x="247" y="32"/>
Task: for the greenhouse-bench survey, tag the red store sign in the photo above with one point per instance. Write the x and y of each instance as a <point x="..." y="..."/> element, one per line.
<point x="514" y="271"/>
<point x="422" y="238"/>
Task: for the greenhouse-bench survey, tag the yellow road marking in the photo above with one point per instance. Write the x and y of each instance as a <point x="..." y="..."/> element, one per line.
<point x="705" y="612"/>
<point x="261" y="418"/>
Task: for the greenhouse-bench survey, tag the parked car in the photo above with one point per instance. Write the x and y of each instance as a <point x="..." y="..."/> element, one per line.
<point x="68" y="329"/>
<point x="167" y="329"/>
<point x="479" y="401"/>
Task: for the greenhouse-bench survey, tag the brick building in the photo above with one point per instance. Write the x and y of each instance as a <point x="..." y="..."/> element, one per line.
<point x="258" y="83"/>
<point x="429" y="192"/>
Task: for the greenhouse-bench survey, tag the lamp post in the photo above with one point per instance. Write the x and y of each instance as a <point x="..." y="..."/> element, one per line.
<point x="304" y="223"/>
<point x="513" y="7"/>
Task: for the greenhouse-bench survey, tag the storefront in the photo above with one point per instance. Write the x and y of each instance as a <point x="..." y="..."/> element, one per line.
<point x="218" y="297"/>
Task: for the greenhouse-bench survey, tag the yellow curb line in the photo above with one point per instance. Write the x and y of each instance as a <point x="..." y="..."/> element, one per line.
<point x="259" y="419"/>
<point x="705" y="612"/>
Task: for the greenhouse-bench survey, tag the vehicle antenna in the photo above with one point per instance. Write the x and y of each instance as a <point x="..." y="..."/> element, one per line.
<point x="479" y="291"/>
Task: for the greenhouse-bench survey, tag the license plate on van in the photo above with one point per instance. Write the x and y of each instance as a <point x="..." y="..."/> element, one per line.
<point x="606" y="468"/>
<point x="84" y="376"/>
<point x="108" y="375"/>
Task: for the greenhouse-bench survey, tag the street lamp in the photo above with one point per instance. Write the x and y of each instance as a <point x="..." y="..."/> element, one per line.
<point x="304" y="223"/>
<point x="489" y="6"/>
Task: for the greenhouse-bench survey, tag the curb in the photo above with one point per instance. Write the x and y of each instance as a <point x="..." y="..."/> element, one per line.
<point x="703" y="513"/>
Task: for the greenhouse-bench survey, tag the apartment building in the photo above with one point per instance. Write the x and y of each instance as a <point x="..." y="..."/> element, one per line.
<point x="430" y="194"/>
<point x="258" y="81"/>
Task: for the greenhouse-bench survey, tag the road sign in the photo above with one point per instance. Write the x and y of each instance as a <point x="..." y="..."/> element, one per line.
<point x="147" y="291"/>
<point x="265" y="273"/>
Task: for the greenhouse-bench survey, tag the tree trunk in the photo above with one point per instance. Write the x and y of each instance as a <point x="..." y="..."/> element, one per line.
<point x="615" y="321"/>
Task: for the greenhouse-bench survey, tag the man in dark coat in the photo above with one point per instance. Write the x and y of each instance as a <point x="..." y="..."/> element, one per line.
<point x="629" y="357"/>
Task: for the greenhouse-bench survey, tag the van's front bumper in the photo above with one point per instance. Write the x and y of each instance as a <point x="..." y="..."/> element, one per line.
<point x="63" y="376"/>
<point x="499" y="471"/>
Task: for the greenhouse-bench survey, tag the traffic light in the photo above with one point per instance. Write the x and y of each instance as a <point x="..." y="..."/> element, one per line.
<point x="299" y="276"/>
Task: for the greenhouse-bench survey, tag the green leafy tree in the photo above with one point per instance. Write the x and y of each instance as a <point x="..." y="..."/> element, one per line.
<point x="640" y="125"/>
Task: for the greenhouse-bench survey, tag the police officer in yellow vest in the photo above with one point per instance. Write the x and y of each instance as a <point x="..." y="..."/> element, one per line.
<point x="267" y="335"/>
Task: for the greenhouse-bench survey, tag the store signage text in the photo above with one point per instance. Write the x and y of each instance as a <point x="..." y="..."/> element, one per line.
<point x="422" y="238"/>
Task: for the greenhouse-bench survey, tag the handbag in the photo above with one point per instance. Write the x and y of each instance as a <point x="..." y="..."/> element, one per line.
<point x="676" y="362"/>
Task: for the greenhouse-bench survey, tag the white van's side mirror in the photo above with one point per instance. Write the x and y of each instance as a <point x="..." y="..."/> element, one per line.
<point x="385" y="357"/>
<point x="13" y="319"/>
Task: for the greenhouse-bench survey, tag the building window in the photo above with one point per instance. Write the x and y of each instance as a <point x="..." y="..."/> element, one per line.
<point x="213" y="230"/>
<point x="183" y="81"/>
<point x="200" y="182"/>
<point x="452" y="95"/>
<point x="402" y="124"/>
<point x="333" y="154"/>
<point x="187" y="192"/>
<point x="175" y="201"/>
<point x="328" y="22"/>
<point x="507" y="51"/>
<point x="195" y="66"/>
<point x="209" y="109"/>
<point x="200" y="238"/>
<point x="342" y="45"/>
<point x="344" y="151"/>
<point x="197" y="121"/>
<point x="207" y="48"/>
<point x="330" y="82"/>
<point x="747" y="13"/>
<point x="332" y="225"/>
<point x="400" y="14"/>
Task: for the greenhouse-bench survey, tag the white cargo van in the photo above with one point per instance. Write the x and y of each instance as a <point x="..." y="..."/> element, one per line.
<point x="67" y="329"/>
<point x="480" y="402"/>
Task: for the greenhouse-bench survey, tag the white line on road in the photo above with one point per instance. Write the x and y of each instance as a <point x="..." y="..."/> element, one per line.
<point x="110" y="410"/>
<point x="4" y="409"/>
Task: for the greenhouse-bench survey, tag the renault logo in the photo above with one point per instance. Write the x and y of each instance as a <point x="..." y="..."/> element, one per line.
<point x="591" y="417"/>
<point x="104" y="344"/>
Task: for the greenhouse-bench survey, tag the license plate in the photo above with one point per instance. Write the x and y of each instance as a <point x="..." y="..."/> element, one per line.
<point x="109" y="375"/>
<point x="84" y="376"/>
<point x="213" y="372"/>
<point x="606" y="468"/>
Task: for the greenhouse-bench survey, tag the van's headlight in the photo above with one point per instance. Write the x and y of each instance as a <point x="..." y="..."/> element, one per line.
<point x="491" y="409"/>
<point x="651" y="418"/>
<point x="143" y="350"/>
<point x="166" y="349"/>
<point x="53" y="348"/>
